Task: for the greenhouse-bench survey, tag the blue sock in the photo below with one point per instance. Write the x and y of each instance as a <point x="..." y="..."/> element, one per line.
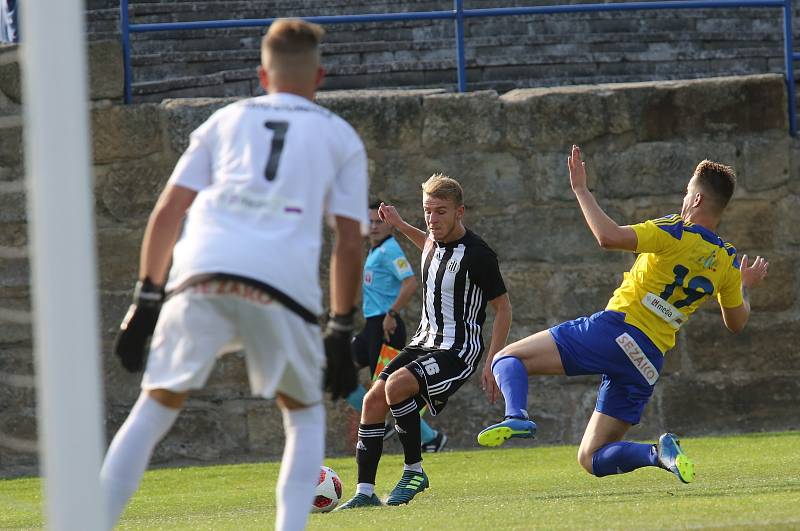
<point x="427" y="434"/>
<point x="512" y="378"/>
<point x="356" y="398"/>
<point x="622" y="457"/>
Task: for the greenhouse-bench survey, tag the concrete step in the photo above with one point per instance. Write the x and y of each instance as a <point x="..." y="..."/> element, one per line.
<point x="156" y="66"/>
<point x="442" y="74"/>
<point x="676" y="39"/>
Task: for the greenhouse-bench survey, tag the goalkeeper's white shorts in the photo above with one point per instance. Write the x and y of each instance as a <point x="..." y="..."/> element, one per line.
<point x="284" y="353"/>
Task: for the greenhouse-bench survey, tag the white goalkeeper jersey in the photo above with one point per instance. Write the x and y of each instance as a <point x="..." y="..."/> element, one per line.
<point x="267" y="170"/>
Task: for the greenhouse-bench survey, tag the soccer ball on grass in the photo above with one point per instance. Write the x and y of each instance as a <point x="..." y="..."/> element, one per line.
<point x="328" y="492"/>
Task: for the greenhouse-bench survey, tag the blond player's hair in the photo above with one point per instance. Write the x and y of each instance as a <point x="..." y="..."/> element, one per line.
<point x="441" y="186"/>
<point x="290" y="49"/>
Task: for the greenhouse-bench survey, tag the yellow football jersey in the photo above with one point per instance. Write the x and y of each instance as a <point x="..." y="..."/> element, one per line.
<point x="679" y="266"/>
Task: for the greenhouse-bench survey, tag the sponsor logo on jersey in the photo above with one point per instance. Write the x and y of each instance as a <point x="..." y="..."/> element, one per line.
<point x="248" y="202"/>
<point x="368" y="278"/>
<point x="664" y="310"/>
<point x="453" y="265"/>
<point x="708" y="262"/>
<point x="635" y="353"/>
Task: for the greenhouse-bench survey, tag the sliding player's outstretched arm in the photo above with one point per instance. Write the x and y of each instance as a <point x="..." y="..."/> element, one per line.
<point x="736" y="318"/>
<point x="389" y="214"/>
<point x="608" y="234"/>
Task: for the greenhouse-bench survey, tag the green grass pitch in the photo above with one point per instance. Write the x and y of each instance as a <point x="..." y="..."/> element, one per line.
<point x="743" y="482"/>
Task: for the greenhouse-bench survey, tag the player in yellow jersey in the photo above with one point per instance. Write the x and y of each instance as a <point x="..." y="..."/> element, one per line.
<point x="681" y="264"/>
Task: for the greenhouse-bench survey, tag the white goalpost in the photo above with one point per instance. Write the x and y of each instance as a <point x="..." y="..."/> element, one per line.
<point x="63" y="264"/>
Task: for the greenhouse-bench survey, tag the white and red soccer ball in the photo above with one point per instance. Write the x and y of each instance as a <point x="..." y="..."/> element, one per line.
<point x="329" y="491"/>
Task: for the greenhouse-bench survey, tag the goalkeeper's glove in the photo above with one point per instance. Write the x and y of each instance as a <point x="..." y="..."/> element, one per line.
<point x="341" y="377"/>
<point x="137" y="327"/>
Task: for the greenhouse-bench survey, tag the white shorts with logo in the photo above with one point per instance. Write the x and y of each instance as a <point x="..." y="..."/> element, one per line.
<point x="284" y="353"/>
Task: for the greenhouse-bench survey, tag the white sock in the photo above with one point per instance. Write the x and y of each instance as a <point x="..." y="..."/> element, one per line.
<point x="365" y="488"/>
<point x="302" y="457"/>
<point x="130" y="451"/>
<point x="416" y="467"/>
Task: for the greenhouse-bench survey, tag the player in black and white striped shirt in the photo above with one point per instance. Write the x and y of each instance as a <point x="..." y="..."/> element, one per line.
<point x="460" y="275"/>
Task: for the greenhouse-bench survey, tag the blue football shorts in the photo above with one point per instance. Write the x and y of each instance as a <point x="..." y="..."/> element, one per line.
<point x="626" y="358"/>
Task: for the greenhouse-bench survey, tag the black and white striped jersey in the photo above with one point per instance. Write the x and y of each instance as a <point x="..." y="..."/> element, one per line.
<point x="458" y="279"/>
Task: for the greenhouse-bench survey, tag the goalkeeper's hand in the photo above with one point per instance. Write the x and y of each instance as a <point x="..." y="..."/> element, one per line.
<point x="137" y="327"/>
<point x="341" y="378"/>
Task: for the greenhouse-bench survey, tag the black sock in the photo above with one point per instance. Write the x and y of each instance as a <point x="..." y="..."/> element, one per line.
<point x="406" y="415"/>
<point x="368" y="451"/>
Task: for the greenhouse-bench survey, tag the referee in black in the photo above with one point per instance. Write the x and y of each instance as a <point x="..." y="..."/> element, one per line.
<point x="460" y="275"/>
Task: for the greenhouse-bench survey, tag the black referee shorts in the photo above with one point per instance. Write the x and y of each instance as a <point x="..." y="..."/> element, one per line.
<point x="366" y="345"/>
<point x="440" y="373"/>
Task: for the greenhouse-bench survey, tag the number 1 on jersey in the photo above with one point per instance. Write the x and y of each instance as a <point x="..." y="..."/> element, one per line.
<point x="278" y="136"/>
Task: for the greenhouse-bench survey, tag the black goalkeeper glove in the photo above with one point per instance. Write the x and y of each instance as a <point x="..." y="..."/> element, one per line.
<point x="341" y="377"/>
<point x="137" y="327"/>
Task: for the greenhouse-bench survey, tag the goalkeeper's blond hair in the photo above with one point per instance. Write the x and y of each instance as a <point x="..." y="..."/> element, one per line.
<point x="290" y="50"/>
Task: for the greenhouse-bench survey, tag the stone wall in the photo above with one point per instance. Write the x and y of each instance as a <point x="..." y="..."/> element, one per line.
<point x="641" y="142"/>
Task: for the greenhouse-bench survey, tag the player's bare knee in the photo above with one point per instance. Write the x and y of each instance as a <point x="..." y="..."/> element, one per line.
<point x="500" y="355"/>
<point x="168" y="398"/>
<point x="400" y="386"/>
<point x="585" y="459"/>
<point x="374" y="404"/>
<point x="373" y="397"/>
<point x="287" y="402"/>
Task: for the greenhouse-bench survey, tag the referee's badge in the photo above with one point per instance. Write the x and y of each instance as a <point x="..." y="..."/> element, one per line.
<point x="401" y="265"/>
<point x="453" y="265"/>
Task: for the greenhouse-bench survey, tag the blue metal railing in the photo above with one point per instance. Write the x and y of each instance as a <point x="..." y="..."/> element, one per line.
<point x="458" y="14"/>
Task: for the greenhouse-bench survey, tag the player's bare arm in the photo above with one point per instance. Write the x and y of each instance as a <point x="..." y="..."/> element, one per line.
<point x="735" y="319"/>
<point x="407" y="289"/>
<point x="389" y="214"/>
<point x="163" y="229"/>
<point x="608" y="234"/>
<point x="500" y="329"/>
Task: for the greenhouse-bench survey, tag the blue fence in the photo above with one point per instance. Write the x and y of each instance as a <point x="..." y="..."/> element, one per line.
<point x="458" y="14"/>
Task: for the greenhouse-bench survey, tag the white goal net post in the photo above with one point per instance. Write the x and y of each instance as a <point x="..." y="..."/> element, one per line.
<point x="63" y="263"/>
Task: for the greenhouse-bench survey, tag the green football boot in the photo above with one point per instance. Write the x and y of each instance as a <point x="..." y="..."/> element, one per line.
<point x="510" y="428"/>
<point x="411" y="484"/>
<point x="672" y="458"/>
<point x="360" y="500"/>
